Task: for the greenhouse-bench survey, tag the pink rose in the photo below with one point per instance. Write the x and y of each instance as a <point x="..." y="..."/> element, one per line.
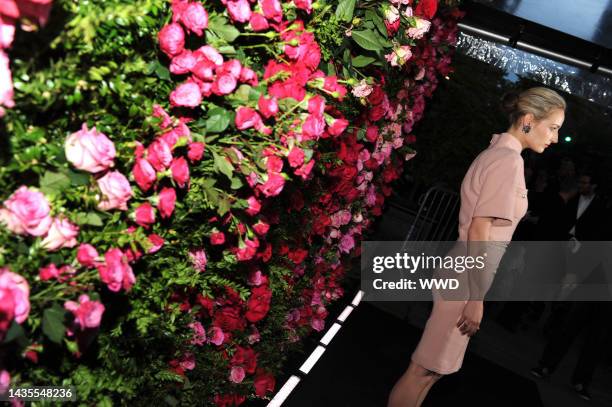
<point x="116" y="191"/>
<point x="224" y="84"/>
<point x="231" y="67"/>
<point x="144" y="215"/>
<point x="247" y="250"/>
<point x="296" y="157"/>
<point x="216" y="335"/>
<point x="159" y="154"/>
<point x="195" y="18"/>
<point x="198" y="259"/>
<point x="144" y="174"/>
<point x="304" y="170"/>
<point x="346" y="243"/>
<point x="305" y="5"/>
<point x="187" y="94"/>
<point x="272" y="10"/>
<point x="195" y="151"/>
<point x="183" y="63"/>
<point x="7" y="33"/>
<point x="237" y="374"/>
<point x="217" y="238"/>
<point x="171" y="39"/>
<point x="258" y="22"/>
<point x="26" y="211"/>
<point x="167" y="199"/>
<point x="337" y="127"/>
<point x="86" y="255"/>
<point x="247" y="118"/>
<point x="180" y="171"/>
<point x="156" y="243"/>
<point x="5" y="381"/>
<point x="87" y="313"/>
<point x="115" y="272"/>
<point x="239" y="10"/>
<point x="15" y="286"/>
<point x="159" y="112"/>
<point x="254" y="206"/>
<point x="267" y="107"/>
<point x="61" y="234"/>
<point x="89" y="150"/>
<point x="273" y="186"/>
<point x="247" y="75"/>
<point x="48" y="272"/>
<point x="31" y="9"/>
<point x="261" y="228"/>
<point x="313" y="127"/>
<point x="199" y="334"/>
<point x="204" y="70"/>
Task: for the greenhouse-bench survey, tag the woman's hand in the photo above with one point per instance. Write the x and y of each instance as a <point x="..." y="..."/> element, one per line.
<point x="469" y="323"/>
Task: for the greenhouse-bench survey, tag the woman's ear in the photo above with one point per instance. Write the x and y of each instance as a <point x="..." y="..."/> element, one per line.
<point x="528" y="119"/>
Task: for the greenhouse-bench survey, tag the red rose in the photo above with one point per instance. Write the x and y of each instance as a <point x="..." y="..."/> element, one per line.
<point x="426" y="8"/>
<point x="264" y="383"/>
<point x="259" y="303"/>
<point x="372" y="133"/>
<point x="195" y="152"/>
<point x="377" y="96"/>
<point x="337" y="127"/>
<point x="376" y="113"/>
<point x="144" y="174"/>
<point x="298" y="256"/>
<point x="229" y="319"/>
<point x="217" y="238"/>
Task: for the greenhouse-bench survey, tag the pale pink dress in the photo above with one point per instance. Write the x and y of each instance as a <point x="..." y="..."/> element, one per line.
<point x="494" y="186"/>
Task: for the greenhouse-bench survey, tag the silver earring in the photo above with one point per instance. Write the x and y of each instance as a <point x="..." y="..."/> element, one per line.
<point x="526" y="128"/>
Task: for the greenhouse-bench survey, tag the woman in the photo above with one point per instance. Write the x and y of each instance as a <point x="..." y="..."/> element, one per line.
<point x="493" y="200"/>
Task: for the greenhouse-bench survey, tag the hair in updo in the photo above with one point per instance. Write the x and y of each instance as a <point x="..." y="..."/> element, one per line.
<point x="538" y="101"/>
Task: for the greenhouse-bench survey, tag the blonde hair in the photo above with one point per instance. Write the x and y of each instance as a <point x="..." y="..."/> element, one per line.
<point x="538" y="101"/>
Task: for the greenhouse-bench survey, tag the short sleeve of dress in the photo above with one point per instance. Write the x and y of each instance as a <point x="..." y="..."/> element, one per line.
<point x="497" y="197"/>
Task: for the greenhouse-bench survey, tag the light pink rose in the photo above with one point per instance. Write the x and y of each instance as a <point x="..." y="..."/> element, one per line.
<point x="5" y="381"/>
<point x="239" y="10"/>
<point x="26" y="211"/>
<point x="421" y="28"/>
<point x="61" y="234"/>
<point x="89" y="150"/>
<point x="6" y="83"/>
<point x="15" y="286"/>
<point x="115" y="271"/>
<point x="7" y="33"/>
<point x="195" y="18"/>
<point x="187" y="94"/>
<point x="198" y="259"/>
<point x="224" y="84"/>
<point x="87" y="313"/>
<point x="209" y="53"/>
<point x="116" y="191"/>
<point x="172" y="39"/>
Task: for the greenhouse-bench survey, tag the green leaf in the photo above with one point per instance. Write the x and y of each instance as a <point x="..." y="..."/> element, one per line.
<point x="54" y="182"/>
<point x="224" y="206"/>
<point x="78" y="178"/>
<point x="219" y="27"/>
<point x="223" y="166"/>
<point x="345" y="10"/>
<point x="367" y="39"/>
<point x="236" y="183"/>
<point x="378" y="22"/>
<point x="53" y="323"/>
<point x="360" y="61"/>
<point x="93" y="219"/>
<point x="218" y="120"/>
<point x="14" y="332"/>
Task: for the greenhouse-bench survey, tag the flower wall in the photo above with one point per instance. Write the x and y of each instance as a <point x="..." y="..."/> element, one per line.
<point x="184" y="183"/>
